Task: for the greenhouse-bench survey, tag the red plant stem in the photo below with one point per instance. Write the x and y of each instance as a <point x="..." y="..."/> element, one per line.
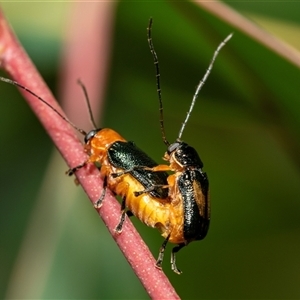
<point x="15" y="61"/>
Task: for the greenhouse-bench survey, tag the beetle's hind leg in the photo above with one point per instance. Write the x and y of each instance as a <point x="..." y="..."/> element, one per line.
<point x="173" y="258"/>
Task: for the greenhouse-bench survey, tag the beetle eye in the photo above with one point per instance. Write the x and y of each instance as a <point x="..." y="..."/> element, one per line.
<point x="173" y="147"/>
<point x="90" y="135"/>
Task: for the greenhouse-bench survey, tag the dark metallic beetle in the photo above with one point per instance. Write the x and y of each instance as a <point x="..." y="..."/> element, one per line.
<point x="188" y="185"/>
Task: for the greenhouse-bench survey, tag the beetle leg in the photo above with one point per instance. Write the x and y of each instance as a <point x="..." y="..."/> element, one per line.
<point x="114" y="175"/>
<point x="119" y="227"/>
<point x="159" y="168"/>
<point x="161" y="253"/>
<point x="98" y="204"/>
<point x="71" y="171"/>
<point x="173" y="258"/>
<point x="152" y="188"/>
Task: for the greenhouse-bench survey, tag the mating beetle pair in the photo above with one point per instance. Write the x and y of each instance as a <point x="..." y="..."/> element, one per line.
<point x="176" y="204"/>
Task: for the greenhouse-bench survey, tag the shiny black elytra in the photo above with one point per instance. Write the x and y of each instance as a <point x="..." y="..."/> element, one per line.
<point x="127" y="156"/>
<point x="196" y="206"/>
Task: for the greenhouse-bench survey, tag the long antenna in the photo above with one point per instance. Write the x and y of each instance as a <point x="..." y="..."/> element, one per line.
<point x="155" y="58"/>
<point x="87" y="100"/>
<point x="202" y="81"/>
<point x="42" y="100"/>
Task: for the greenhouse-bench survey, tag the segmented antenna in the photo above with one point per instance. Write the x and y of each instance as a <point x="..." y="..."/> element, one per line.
<point x="155" y="58"/>
<point x="202" y="81"/>
<point x="87" y="100"/>
<point x="42" y="100"/>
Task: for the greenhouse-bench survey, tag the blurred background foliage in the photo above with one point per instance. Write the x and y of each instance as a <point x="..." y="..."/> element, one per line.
<point x="245" y="127"/>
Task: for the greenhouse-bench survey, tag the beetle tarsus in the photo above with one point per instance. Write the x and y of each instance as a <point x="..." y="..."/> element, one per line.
<point x="98" y="203"/>
<point x="173" y="258"/>
<point x="161" y="253"/>
<point x="119" y="227"/>
<point x="72" y="171"/>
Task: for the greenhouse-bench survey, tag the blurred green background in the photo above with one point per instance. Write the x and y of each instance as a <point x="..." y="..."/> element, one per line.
<point x="245" y="127"/>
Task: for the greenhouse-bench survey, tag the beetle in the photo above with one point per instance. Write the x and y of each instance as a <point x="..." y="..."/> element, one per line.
<point x="188" y="184"/>
<point x="124" y="168"/>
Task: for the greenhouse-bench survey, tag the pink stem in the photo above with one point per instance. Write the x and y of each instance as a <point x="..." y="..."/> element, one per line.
<point x="16" y="62"/>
